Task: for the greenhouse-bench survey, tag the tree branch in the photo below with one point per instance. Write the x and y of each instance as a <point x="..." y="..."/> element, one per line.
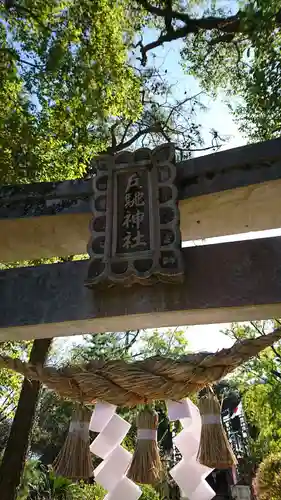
<point x="228" y="26"/>
<point x="207" y="148"/>
<point x="11" y="6"/>
<point x="257" y="329"/>
<point x="226" y="38"/>
<point x="181" y="103"/>
<point x="113" y="136"/>
<point x="169" y="15"/>
<point x="133" y="340"/>
<point x="157" y="11"/>
<point x="168" y="37"/>
<point x="276" y="374"/>
<point x="125" y="132"/>
<point x="276" y="353"/>
<point x="15" y="56"/>
<point x="130" y="142"/>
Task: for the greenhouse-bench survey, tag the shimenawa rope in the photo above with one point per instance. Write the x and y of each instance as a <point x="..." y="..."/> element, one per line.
<point x="140" y="382"/>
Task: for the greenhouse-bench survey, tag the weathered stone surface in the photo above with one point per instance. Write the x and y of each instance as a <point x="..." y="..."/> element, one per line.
<point x="227" y="282"/>
<point x="233" y="191"/>
<point x="228" y="169"/>
<point x="45" y="198"/>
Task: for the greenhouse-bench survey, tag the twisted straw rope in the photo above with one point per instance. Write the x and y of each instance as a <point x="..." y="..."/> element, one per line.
<point x="129" y="384"/>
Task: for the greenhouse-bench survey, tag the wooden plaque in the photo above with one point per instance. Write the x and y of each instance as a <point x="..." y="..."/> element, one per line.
<point x="135" y="234"/>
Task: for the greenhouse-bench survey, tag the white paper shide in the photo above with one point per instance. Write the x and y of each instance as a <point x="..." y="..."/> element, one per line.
<point x="188" y="473"/>
<point x="111" y="473"/>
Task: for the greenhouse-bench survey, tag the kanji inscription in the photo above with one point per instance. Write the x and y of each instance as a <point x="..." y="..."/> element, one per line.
<point x="135" y="230"/>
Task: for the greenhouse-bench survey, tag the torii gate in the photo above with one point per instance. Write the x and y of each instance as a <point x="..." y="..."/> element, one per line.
<point x="231" y="192"/>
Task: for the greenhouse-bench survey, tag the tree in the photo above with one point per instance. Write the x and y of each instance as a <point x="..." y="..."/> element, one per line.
<point x="14" y="457"/>
<point x="72" y="87"/>
<point x="268" y="478"/>
<point x="132" y="344"/>
<point x="10" y="382"/>
<point x="163" y="119"/>
<point x="231" y="46"/>
<point x="259" y="382"/>
<point x="64" y="68"/>
<point x="50" y="426"/>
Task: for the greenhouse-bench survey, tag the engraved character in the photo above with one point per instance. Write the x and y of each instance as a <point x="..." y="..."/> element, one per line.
<point x="138" y="240"/>
<point x="128" y="201"/>
<point x="133" y="219"/>
<point x="137" y="218"/>
<point x="127" y="241"/>
<point x="133" y="182"/>
<point x="134" y="200"/>
<point x="127" y="220"/>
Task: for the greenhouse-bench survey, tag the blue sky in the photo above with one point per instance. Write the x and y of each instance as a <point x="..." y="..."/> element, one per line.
<point x="216" y="116"/>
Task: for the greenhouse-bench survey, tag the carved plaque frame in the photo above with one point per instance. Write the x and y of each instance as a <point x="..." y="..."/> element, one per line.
<point x="135" y="233"/>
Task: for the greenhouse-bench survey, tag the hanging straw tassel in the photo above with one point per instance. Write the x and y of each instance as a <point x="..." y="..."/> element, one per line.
<point x="74" y="460"/>
<point x="146" y="467"/>
<point x="214" y="449"/>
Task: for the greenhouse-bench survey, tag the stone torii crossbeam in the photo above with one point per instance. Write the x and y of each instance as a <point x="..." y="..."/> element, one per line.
<point x="230" y="192"/>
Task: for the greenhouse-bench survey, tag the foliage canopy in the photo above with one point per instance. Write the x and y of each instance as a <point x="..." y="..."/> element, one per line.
<point x="64" y="71"/>
<point x="259" y="382"/>
<point x="232" y="47"/>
